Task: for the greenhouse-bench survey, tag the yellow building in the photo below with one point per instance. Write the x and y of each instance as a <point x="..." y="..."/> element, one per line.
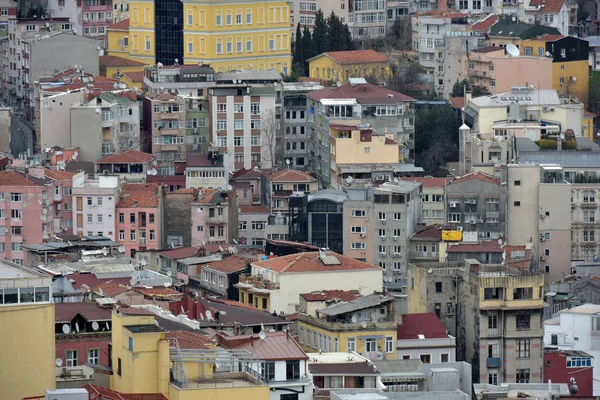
<point x="118" y="39"/>
<point x="570" y="70"/>
<point x="588" y="124"/>
<point x="115" y="67"/>
<point x="238" y="35"/>
<point x="365" y="325"/>
<point x="27" y="349"/>
<point x="141" y="44"/>
<point x="339" y="66"/>
<point x="178" y="364"/>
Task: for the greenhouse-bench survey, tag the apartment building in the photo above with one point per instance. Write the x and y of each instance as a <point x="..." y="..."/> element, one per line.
<point x="197" y="118"/>
<point x="338" y="115"/>
<point x="424" y="337"/>
<point x="275" y="284"/>
<point x="164" y="117"/>
<point x="241" y="44"/>
<point x="89" y="18"/>
<point x="28" y="361"/>
<point x="584" y="202"/>
<point x="378" y="224"/>
<point x="26" y="215"/>
<point x="8" y="10"/>
<point x="495" y="312"/>
<point x="131" y="165"/>
<point x="94" y="205"/>
<point x="365" y="325"/>
<point x="340" y="66"/>
<point x="139" y="217"/>
<point x="214" y="217"/>
<point x="253" y="222"/>
<point x="39" y="48"/>
<point x="433" y="203"/>
<point x="54" y="118"/>
<point x="244" y="109"/>
<point x="294" y="117"/>
<point x="491" y="68"/>
<point x="206" y="172"/>
<point x="117" y="39"/>
<point x="426" y="246"/>
<point x="531" y="19"/>
<point x="186" y="80"/>
<point x="477" y="206"/>
<point x="538" y="196"/>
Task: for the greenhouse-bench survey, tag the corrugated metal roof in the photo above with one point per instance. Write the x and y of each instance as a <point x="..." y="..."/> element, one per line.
<point x="276" y="346"/>
<point x="371" y="300"/>
<point x="546" y="97"/>
<point x="333" y="195"/>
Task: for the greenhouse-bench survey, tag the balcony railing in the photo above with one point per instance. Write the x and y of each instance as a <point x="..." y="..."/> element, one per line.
<point x="493" y="362"/>
<point x="257" y="282"/>
<point x="217" y="219"/>
<point x="343" y="326"/>
<point x="143" y="241"/>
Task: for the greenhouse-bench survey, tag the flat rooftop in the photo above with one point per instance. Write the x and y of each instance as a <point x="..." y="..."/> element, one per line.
<point x="335" y="358"/>
<point x="8" y="270"/>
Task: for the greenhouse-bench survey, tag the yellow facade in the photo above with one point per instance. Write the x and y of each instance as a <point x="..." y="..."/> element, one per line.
<point x="117" y="43"/>
<point x="255" y="300"/>
<point x="141" y="31"/>
<point x="588" y="125"/>
<point x="510" y="283"/>
<point x="27" y="350"/>
<point x="342" y="337"/>
<point x="131" y="81"/>
<point x="326" y="68"/>
<point x="240" y="35"/>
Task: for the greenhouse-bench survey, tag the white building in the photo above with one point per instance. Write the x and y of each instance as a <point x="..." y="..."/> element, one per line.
<point x="94" y="205"/>
<point x="55" y="118"/>
<point x="424" y="337"/>
<point x="576" y="329"/>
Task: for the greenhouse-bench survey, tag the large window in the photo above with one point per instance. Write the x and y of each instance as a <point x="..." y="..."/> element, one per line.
<point x="351" y="344"/>
<point x="292" y="370"/>
<point x="24" y="295"/>
<point x="523" y="320"/>
<point x="370" y="345"/>
<point x="269" y="373"/>
<point x="93" y="356"/>
<point x="523" y="348"/>
<point x="523" y="376"/>
<point x="71" y="358"/>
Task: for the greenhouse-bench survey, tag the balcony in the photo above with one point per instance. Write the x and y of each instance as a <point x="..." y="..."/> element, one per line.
<point x="256" y="284"/>
<point x="166" y="131"/>
<point x="142" y="241"/>
<point x="171" y="147"/>
<point x="342" y="326"/>
<point x="106" y="122"/>
<point x="216" y="220"/>
<point x="492" y="214"/>
<point x="170" y="115"/>
<point x="493" y="362"/>
<point x="589" y="204"/>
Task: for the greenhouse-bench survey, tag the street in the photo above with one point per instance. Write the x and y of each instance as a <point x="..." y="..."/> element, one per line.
<point x="21" y="137"/>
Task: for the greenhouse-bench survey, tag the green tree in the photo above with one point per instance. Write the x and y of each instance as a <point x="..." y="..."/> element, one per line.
<point x="400" y="35"/>
<point x="436" y="139"/>
<point x="458" y="89"/>
<point x="336" y="35"/>
<point x="32" y="9"/>
<point x="349" y="41"/>
<point x="307" y="47"/>
<point x="319" y="36"/>
<point x="298" y="59"/>
<point x="477" y="91"/>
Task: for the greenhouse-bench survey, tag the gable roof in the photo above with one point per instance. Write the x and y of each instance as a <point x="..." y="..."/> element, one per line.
<point x="114" y="61"/>
<point x="244" y="315"/>
<point x="228" y="265"/>
<point x="550" y="38"/>
<point x="254" y="210"/>
<point x="476" y="175"/>
<point x="141" y="195"/>
<point x="290" y="175"/>
<point x="363" y="93"/>
<point x="489" y="246"/>
<point x="127" y="157"/>
<point x="426" y="324"/>
<point x="505" y="27"/>
<point x="431" y="232"/>
<point x="65" y="312"/>
<point x="134" y="76"/>
<point x="429" y="182"/>
<point x="485" y="23"/>
<point x="311" y="262"/>
<point x="110" y="289"/>
<point x="354" y="56"/>
<point x="360" y="303"/>
<point x="183" y="252"/>
<point x="120" y="26"/>
<point x="189" y="340"/>
<point x="15" y="178"/>
<point x="58" y="174"/>
<point x="276" y="346"/>
<point x="546" y="6"/>
<point x="487" y="49"/>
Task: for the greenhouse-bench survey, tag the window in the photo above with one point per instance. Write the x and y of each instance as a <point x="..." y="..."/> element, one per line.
<point x="119" y="371"/>
<point x="132" y="235"/>
<point x="351" y="344"/>
<point x="381" y="216"/>
<point x="93" y="356"/>
<point x="16" y="214"/>
<point x="71" y="358"/>
<point x="523" y="347"/>
<point x="438" y="287"/>
<point x="269" y="372"/>
<point x="121" y="218"/>
<point x="517" y="204"/>
<point x="358" y="246"/>
<point x="229" y="19"/>
<point x="358" y="229"/>
<point x="493" y="379"/>
<point x="255" y="108"/>
<point x="121" y="235"/>
<point x="453" y="217"/>
<point x="152" y="235"/>
<point x="589" y="196"/>
<point x="16" y="197"/>
<point x="425" y="358"/>
<point x="523" y="320"/>
<point x="444" y="358"/>
<point x="389" y="344"/>
<point x="219" y="21"/>
<point x="148" y="43"/>
<point x="370" y="345"/>
<point x="589" y="216"/>
<point x="492" y="321"/>
<point x="523" y="376"/>
<point x="588" y="236"/>
<point x="358" y="213"/>
<point x="292" y="370"/>
<point x="16" y="230"/>
<point x="517" y="183"/>
<point x="16" y="247"/>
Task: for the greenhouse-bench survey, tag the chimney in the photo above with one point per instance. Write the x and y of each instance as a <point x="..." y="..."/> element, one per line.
<point x="236" y="328"/>
<point x="287" y="333"/>
<point x="252" y="340"/>
<point x="442" y="6"/>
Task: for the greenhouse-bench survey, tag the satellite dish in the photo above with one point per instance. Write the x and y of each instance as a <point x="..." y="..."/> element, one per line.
<point x="75" y="154"/>
<point x="363" y="324"/>
<point x="548" y="54"/>
<point x="262" y="335"/>
<point x="430" y="271"/>
<point x="59" y="362"/>
<point x="115" y="85"/>
<point x="107" y="327"/>
<point x="396" y="180"/>
<point x="66" y="329"/>
<point x="121" y="249"/>
<point x="562" y="136"/>
<point x="159" y="65"/>
<point x="514" y="19"/>
<point x="287" y="161"/>
<point x="44" y="211"/>
<point x="149" y="172"/>
<point x="354" y="320"/>
<point x="136" y="88"/>
<point x="349" y="180"/>
<point x="574" y="78"/>
<point x="499" y="242"/>
<point x="143" y="262"/>
<point x="77" y="327"/>
<point x="169" y="274"/>
<point x="202" y="317"/>
<point x="95" y="326"/>
<point x="513" y="50"/>
<point x="132" y="282"/>
<point x="208" y="314"/>
<point x="122" y="85"/>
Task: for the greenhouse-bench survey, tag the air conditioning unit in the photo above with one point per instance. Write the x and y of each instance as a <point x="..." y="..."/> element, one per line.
<point x="473" y="221"/>
<point x="481" y="234"/>
<point x="395" y="238"/>
<point x="472" y="201"/>
<point x="396" y="255"/>
<point x="383" y="221"/>
<point x="362" y="235"/>
<point x="480" y="221"/>
<point x="542" y="238"/>
<point x="501" y="235"/>
<point x="459" y="228"/>
<point x="542" y="258"/>
<point x="382" y="238"/>
<point x="452" y="205"/>
<point x="382" y="254"/>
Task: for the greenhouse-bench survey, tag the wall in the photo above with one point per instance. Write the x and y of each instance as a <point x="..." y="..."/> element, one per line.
<point x="579" y="70"/>
<point x="55" y="118"/>
<point x="5" y="130"/>
<point x="518" y="71"/>
<point x="328" y="69"/>
<point x="86" y="133"/>
<point x="177" y="221"/>
<point x="128" y="227"/>
<point x="555" y="370"/>
<point x="414" y="348"/>
<point x="554" y="199"/>
<point x="61" y="52"/>
<point x="83" y="343"/>
<point x="523" y="220"/>
<point x="248" y="393"/>
<point x="28" y="352"/>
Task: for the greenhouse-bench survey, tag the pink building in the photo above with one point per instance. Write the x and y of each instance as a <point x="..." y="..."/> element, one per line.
<point x="97" y="17"/>
<point x="139" y="217"/>
<point x="83" y="334"/>
<point x="62" y="200"/>
<point x="214" y="217"/>
<point x="25" y="213"/>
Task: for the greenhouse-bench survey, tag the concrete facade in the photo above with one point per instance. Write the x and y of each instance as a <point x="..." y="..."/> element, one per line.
<point x="94" y="206"/>
<point x="584" y="213"/>
<point x="4" y="130"/>
<point x="177" y="221"/>
<point x="214" y="217"/>
<point x="55" y="118"/>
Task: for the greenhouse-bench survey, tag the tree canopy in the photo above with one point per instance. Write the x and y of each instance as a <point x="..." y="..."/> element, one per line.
<point x="436" y="139"/>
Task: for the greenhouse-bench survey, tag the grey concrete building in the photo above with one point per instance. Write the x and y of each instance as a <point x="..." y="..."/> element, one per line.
<point x="584" y="210"/>
<point x="476" y="205"/>
<point x="293" y="114"/>
<point x="185" y="80"/>
<point x="252" y="224"/>
<point x="424" y="245"/>
<point x="177" y="217"/>
<point x="5" y="130"/>
<point x="378" y="224"/>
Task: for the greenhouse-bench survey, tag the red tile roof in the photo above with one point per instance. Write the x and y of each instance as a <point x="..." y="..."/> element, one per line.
<point x="110" y="289"/>
<point x="120" y="26"/>
<point x="14" y="178"/>
<point x="158" y="292"/>
<point x="276" y="346"/>
<point x="114" y="61"/>
<point x="326" y="295"/>
<point x="550" y="38"/>
<point x="487" y="49"/>
<point x="137" y="76"/>
<point x="490" y="246"/>
<point x="356" y="56"/>
<point x="426" y="324"/>
<point x="127" y="157"/>
<point x="177" y="254"/>
<point x="363" y="93"/>
<point x="310" y="262"/>
<point x="390" y="141"/>
<point x="234" y="304"/>
<point x="189" y="340"/>
<point x="98" y="392"/>
<point x="290" y="175"/>
<point x="91" y="281"/>
<point x="431" y="232"/>
<point x="476" y="175"/>
<point x="254" y="210"/>
<point x="198" y="160"/>
<point x="485" y="23"/>
<point x="588" y="114"/>
<point x="229" y="264"/>
<point x="140" y="195"/>
<point x="547" y="6"/>
<point x="429" y="182"/>
<point x="247" y="174"/>
<point x="457" y="102"/>
<point x="58" y="175"/>
<point x="65" y="312"/>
